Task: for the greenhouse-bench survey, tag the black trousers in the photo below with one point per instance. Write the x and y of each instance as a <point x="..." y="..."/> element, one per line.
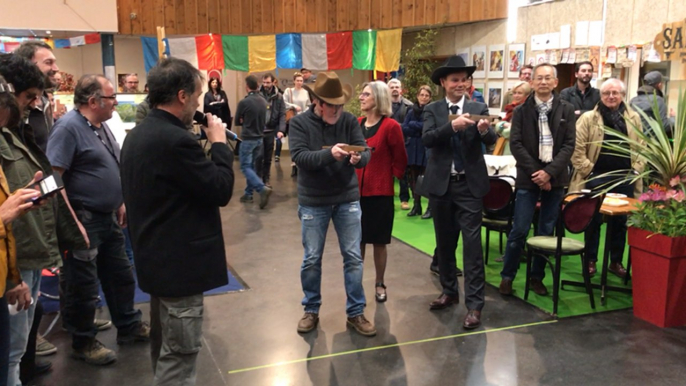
<point x="27" y="366"/>
<point x="263" y="162"/>
<point x="85" y="270"/>
<point x="458" y="211"/>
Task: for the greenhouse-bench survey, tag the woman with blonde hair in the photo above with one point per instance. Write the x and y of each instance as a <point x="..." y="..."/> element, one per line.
<point x="520" y="92"/>
<point x="389" y="159"/>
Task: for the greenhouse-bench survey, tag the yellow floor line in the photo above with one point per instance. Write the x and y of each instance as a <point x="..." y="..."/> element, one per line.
<point x="389" y="346"/>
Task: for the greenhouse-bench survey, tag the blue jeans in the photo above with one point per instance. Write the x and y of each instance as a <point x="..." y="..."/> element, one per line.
<point x="347" y="222"/>
<point x="525" y="206"/>
<point x="250" y="151"/>
<point x="20" y="326"/>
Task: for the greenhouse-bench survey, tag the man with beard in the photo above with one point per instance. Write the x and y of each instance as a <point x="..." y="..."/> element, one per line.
<point x="40" y="115"/>
<point x="173" y="194"/>
<point x="84" y="151"/>
<point x="582" y="95"/>
<point x="275" y="124"/>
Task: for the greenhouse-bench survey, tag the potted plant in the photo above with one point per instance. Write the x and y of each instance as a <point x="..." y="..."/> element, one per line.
<point x="657" y="229"/>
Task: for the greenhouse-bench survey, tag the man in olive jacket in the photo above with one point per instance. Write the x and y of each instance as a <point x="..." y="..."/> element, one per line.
<point x="173" y="194"/>
<point x="542" y="142"/>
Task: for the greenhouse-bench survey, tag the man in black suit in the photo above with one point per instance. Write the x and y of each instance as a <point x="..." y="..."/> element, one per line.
<point x="457" y="180"/>
<point x="542" y="140"/>
<point x="173" y="194"/>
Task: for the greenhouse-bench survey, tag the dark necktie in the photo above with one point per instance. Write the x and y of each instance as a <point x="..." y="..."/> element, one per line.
<point x="457" y="152"/>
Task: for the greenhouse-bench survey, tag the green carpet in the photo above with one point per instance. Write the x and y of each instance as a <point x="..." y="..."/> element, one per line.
<point x="574" y="301"/>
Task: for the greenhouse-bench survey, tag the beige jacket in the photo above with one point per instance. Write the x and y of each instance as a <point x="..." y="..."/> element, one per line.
<point x="589" y="136"/>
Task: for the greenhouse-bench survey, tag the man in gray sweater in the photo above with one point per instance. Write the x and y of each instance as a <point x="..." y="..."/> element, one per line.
<point x="328" y="190"/>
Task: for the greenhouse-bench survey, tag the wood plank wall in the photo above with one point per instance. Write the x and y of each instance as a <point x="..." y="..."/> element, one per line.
<point x="194" y="17"/>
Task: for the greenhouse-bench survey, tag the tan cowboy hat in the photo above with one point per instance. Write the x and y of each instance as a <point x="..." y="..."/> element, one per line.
<point x="329" y="89"/>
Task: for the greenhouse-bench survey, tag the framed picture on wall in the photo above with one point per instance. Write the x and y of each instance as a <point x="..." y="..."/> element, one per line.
<point x="479" y="61"/>
<point x="463" y="53"/>
<point x="494" y="97"/>
<point x="515" y="59"/>
<point x="496" y="60"/>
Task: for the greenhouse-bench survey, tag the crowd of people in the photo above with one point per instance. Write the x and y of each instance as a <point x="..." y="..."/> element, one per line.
<point x="167" y="191"/>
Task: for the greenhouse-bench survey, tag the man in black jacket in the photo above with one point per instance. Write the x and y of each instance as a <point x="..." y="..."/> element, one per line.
<point x="542" y="140"/>
<point x="173" y="194"/>
<point x="457" y="180"/>
<point x="582" y="95"/>
<point x="275" y="125"/>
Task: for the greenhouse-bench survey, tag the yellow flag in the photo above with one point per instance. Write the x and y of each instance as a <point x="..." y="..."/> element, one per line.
<point x="388" y="45"/>
<point x="262" y="53"/>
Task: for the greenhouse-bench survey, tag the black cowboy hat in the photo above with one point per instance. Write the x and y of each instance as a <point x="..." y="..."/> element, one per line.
<point x="453" y="64"/>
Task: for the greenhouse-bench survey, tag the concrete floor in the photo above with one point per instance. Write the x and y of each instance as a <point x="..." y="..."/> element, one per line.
<point x="249" y="335"/>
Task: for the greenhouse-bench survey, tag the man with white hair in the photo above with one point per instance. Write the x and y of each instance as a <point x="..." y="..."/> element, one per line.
<point x="399" y="108"/>
<point x="542" y="139"/>
<point x="590" y="159"/>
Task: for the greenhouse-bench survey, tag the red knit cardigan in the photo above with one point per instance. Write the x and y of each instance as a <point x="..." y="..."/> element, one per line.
<point x="389" y="159"/>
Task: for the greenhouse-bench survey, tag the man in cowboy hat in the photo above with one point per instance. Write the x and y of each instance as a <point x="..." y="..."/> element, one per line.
<point x="456" y="179"/>
<point x="327" y="190"/>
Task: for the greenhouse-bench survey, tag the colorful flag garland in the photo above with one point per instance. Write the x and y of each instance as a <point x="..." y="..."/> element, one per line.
<point x="9" y="44"/>
<point x="362" y="50"/>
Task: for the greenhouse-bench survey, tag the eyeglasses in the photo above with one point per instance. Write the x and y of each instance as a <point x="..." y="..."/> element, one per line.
<point x="610" y="93"/>
<point x="113" y="96"/>
<point x="366" y="94"/>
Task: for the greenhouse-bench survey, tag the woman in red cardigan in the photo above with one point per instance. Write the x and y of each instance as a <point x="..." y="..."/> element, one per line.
<point x="389" y="159"/>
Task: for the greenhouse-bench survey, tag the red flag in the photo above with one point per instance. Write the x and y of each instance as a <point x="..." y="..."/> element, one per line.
<point x="92" y="38"/>
<point x="339" y="50"/>
<point x="210" y="52"/>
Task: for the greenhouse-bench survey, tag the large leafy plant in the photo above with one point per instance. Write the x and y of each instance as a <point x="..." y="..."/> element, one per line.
<point x="417" y="62"/>
<point x="662" y="207"/>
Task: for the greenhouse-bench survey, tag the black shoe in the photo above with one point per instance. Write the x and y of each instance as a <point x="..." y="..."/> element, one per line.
<point x="458" y="272"/>
<point x="416" y="211"/>
<point x="427" y="214"/>
<point x="264" y="196"/>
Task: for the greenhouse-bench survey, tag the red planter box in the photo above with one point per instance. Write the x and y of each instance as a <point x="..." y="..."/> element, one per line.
<point x="659" y="277"/>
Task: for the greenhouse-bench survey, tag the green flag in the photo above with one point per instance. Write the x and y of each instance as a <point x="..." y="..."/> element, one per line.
<point x="236" y="53"/>
<point x="364" y="50"/>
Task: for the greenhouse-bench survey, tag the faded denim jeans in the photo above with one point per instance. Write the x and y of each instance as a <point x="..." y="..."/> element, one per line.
<point x="347" y="223"/>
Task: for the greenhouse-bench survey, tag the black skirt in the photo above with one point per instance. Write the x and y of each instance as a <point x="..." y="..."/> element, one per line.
<point x="377" y="219"/>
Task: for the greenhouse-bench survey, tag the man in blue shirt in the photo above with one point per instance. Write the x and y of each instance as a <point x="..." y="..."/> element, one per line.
<point x="83" y="150"/>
